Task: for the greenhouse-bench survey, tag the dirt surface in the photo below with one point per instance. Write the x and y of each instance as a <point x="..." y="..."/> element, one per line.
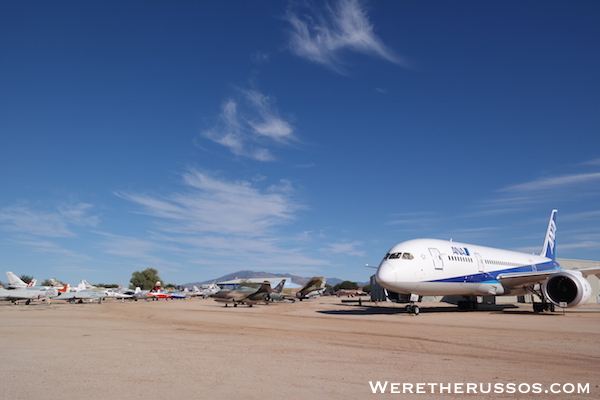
<point x="322" y="348"/>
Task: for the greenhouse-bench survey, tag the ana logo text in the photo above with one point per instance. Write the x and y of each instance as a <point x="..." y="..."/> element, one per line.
<point x="461" y="251"/>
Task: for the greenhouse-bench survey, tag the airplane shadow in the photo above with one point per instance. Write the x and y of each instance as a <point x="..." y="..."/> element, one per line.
<point x="400" y="309"/>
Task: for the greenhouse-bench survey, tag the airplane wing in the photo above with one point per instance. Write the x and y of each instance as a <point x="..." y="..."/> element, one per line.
<point x="590" y="271"/>
<point x="521" y="279"/>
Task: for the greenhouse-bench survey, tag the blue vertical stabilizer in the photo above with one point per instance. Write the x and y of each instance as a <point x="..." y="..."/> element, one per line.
<point x="549" y="249"/>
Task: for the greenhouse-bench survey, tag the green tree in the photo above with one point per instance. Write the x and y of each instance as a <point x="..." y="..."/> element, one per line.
<point x="144" y="279"/>
<point x="345" y="285"/>
<point x="26" y="278"/>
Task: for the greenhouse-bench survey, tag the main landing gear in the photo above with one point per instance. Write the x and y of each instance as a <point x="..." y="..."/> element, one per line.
<point x="469" y="303"/>
<point x="544" y="305"/>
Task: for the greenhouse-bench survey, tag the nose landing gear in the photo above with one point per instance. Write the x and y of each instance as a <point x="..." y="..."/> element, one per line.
<point x="412" y="309"/>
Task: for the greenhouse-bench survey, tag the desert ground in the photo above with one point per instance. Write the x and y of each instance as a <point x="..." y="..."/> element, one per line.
<point x="322" y="348"/>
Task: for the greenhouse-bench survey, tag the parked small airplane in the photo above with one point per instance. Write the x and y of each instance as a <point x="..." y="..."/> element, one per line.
<point x="210" y="289"/>
<point x="192" y="293"/>
<point x="28" y="295"/>
<point x="275" y="293"/>
<point x="156" y="293"/>
<point x="118" y="293"/>
<point x="431" y="267"/>
<point x="81" y="295"/>
<point x="244" y="295"/>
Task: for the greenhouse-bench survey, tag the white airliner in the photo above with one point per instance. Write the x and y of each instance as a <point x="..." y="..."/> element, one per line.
<point x="431" y="267"/>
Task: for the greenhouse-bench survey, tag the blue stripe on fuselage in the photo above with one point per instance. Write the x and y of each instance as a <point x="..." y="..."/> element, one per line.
<point x="490" y="277"/>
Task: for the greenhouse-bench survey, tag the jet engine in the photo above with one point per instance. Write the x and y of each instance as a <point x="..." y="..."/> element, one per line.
<point x="567" y="286"/>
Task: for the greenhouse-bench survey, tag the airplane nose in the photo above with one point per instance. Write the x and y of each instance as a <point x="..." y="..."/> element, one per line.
<point x="386" y="274"/>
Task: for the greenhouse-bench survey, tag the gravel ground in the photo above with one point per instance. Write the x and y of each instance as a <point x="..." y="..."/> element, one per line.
<point x="322" y="348"/>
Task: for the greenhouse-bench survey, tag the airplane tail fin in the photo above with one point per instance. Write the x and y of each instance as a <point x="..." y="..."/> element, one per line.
<point x="265" y="287"/>
<point x="549" y="249"/>
<point x="314" y="283"/>
<point x="14" y="281"/>
<point x="32" y="283"/>
<point x="87" y="284"/>
<point x="64" y="289"/>
<point x="279" y="287"/>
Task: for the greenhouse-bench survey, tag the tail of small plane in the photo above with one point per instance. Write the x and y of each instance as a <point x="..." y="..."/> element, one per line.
<point x="32" y="283"/>
<point x="264" y="288"/>
<point x="157" y="287"/>
<point x="14" y="281"/>
<point x="65" y="288"/>
<point x="549" y="249"/>
<point x="314" y="283"/>
<point x="88" y="285"/>
<point x="279" y="287"/>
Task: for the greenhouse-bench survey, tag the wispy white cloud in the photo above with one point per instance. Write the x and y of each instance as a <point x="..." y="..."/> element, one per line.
<point x="550" y="189"/>
<point x="56" y="223"/>
<point x="224" y="207"/>
<point x="595" y="161"/>
<point x="221" y="223"/>
<point x="247" y="126"/>
<point x="552" y="183"/>
<point x="321" y="36"/>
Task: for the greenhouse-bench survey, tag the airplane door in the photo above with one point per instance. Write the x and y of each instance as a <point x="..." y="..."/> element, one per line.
<point x="438" y="262"/>
<point x="480" y="265"/>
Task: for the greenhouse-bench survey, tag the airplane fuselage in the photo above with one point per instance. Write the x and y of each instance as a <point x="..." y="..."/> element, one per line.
<point x="432" y="267"/>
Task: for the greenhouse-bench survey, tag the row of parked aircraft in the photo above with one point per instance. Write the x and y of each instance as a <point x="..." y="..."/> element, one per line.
<point x="265" y="294"/>
<point x="19" y="290"/>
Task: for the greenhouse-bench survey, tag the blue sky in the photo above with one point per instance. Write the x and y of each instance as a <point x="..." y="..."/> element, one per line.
<point x="201" y="138"/>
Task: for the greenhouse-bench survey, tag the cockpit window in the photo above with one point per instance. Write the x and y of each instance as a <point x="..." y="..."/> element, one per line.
<point x="395" y="256"/>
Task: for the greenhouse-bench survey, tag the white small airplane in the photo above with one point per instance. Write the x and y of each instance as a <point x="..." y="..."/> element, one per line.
<point x="208" y="290"/>
<point x="431" y="267"/>
<point x="30" y="294"/>
<point x="81" y="295"/>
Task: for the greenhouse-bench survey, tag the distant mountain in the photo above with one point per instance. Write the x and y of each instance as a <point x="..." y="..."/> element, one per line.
<point x="298" y="280"/>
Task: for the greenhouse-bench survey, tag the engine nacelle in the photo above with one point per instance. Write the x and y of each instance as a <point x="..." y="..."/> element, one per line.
<point x="567" y="286"/>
